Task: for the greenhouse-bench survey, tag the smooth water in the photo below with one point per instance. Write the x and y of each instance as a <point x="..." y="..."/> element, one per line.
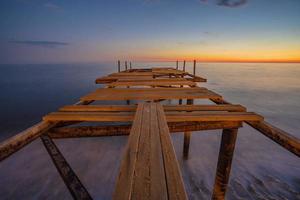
<point x="261" y="169"/>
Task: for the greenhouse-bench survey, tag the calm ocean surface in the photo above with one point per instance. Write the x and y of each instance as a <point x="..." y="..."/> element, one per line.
<point x="261" y="169"/>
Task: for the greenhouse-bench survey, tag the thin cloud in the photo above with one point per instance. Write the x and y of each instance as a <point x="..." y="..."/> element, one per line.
<point x="46" y="44"/>
<point x="52" y="6"/>
<point x="229" y="3"/>
<point x="232" y="3"/>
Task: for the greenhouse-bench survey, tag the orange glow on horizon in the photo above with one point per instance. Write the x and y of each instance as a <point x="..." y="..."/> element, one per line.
<point x="257" y="57"/>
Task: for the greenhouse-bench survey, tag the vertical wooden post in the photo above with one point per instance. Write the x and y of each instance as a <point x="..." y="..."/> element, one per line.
<point x="119" y="66"/>
<point x="126" y="65"/>
<point x="186" y="144"/>
<point x="194" y="71"/>
<point x="187" y="136"/>
<point x="189" y="101"/>
<point x="180" y="102"/>
<point x="224" y="163"/>
<point x="184" y="65"/>
<point x="177" y="64"/>
<point x="130" y="65"/>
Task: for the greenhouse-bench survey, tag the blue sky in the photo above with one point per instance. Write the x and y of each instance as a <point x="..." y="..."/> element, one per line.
<point x="72" y="31"/>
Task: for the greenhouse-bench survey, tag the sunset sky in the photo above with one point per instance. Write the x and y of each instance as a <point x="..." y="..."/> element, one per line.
<point x="91" y="31"/>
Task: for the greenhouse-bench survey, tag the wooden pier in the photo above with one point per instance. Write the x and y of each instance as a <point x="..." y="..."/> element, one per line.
<point x="149" y="168"/>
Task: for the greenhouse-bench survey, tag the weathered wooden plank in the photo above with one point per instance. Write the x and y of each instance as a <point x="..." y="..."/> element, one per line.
<point x="174" y="180"/>
<point x="15" y="143"/>
<point x="141" y="186"/>
<point x="71" y="180"/>
<point x="99" y="108"/>
<point x="224" y="163"/>
<point x="152" y="83"/>
<point x="132" y="108"/>
<point x="124" y="183"/>
<point x="124" y="79"/>
<point x="116" y="130"/>
<point x="158" y="186"/>
<point x="149" y="180"/>
<point x="203" y="116"/>
<point x="150" y="94"/>
<point x="284" y="139"/>
<point x="132" y="74"/>
<point x="18" y="141"/>
<point x="155" y="168"/>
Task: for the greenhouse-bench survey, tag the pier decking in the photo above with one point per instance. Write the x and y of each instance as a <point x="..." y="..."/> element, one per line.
<point x="149" y="168"/>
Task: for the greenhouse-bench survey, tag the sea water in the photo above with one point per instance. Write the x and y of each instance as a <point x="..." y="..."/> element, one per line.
<point x="261" y="169"/>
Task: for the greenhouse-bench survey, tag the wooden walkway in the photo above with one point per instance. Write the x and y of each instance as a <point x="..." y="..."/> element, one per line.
<point x="149" y="169"/>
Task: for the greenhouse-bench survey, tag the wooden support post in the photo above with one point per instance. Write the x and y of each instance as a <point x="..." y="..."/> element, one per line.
<point x="184" y="65"/>
<point x="176" y="64"/>
<point x="73" y="183"/>
<point x="187" y="136"/>
<point x="126" y="65"/>
<point x="130" y="67"/>
<point x="224" y="163"/>
<point x="189" y="101"/>
<point x="186" y="144"/>
<point x="180" y="101"/>
<point x="119" y="66"/>
<point x="194" y="71"/>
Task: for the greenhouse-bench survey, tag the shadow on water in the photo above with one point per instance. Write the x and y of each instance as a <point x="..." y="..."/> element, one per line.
<point x="260" y="170"/>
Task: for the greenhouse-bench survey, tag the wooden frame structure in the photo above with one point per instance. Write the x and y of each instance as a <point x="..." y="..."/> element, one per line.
<point x="149" y="169"/>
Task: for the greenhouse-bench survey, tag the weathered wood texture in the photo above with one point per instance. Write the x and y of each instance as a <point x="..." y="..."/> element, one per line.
<point x="149" y="169"/>
<point x="119" y="130"/>
<point x="15" y="143"/>
<point x="203" y="116"/>
<point x="150" y="94"/>
<point x="132" y="108"/>
<point x="152" y="83"/>
<point x="18" y="141"/>
<point x="284" y="139"/>
<point x="71" y="180"/>
<point x="224" y="163"/>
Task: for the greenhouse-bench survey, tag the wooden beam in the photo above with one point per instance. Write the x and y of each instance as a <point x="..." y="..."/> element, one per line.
<point x="124" y="185"/>
<point x="150" y="94"/>
<point x="15" y="143"/>
<point x="284" y="139"/>
<point x="175" y="184"/>
<point x="119" y="130"/>
<point x="18" y="141"/>
<point x="119" y="66"/>
<point x="71" y="180"/>
<point x="200" y="116"/>
<point x="132" y="108"/>
<point x="153" y="83"/>
<point x="224" y="163"/>
<point x="184" y="65"/>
